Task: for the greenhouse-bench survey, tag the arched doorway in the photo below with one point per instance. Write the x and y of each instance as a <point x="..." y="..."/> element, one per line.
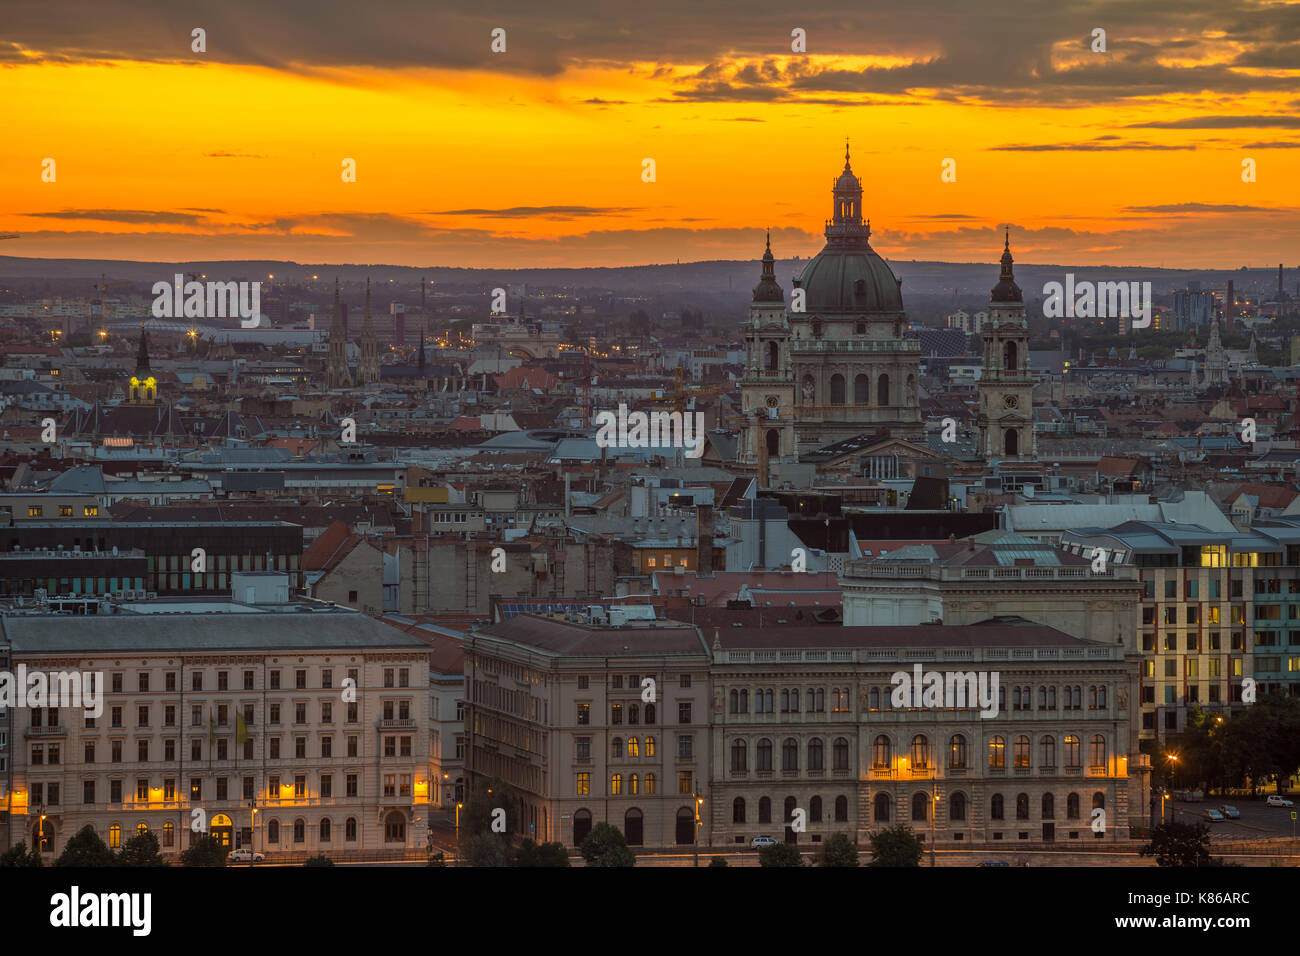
<point x="882" y="390"/>
<point x="773" y="443"/>
<point x="581" y="826"/>
<point x="394" y="828"/>
<point x="43" y="835"/>
<point x="222" y="828"/>
<point x="1011" y="442"/>
<point x="685" y="826"/>
<point x="632" y="828"/>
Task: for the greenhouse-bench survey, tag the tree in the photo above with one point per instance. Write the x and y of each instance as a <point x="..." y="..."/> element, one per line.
<point x="895" y="846"/>
<point x="605" y="845"/>
<point x="718" y="861"/>
<point x="483" y="841"/>
<point x="85" y="848"/>
<point x="141" y="850"/>
<point x="780" y="854"/>
<point x="838" y="851"/>
<point x="206" y="850"/>
<point x="18" y="855"/>
<point x="321" y="860"/>
<point x="1179" y="844"/>
<point x="546" y="854"/>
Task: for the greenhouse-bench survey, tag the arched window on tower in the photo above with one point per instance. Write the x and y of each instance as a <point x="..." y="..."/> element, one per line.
<point x="773" y="352"/>
<point x="882" y="390"/>
<point x="1011" y="442"/>
<point x="861" y="390"/>
<point x="1009" y="363"/>
<point x="773" y="443"/>
<point x="837" y="389"/>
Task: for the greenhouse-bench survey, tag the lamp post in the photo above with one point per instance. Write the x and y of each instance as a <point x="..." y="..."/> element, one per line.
<point x="40" y="829"/>
<point x="252" y="860"/>
<point x="934" y="811"/>
<point x="698" y="801"/>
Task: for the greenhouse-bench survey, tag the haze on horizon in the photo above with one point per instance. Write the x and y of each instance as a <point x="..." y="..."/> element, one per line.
<point x="532" y="158"/>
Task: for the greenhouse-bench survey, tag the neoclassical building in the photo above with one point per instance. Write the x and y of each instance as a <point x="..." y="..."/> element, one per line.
<point x="832" y="364"/>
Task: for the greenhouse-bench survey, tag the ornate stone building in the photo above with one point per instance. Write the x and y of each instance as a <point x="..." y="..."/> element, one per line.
<point x="839" y="346"/>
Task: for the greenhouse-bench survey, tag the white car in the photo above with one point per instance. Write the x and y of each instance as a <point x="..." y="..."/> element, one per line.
<point x="245" y="856"/>
<point x="1276" y="801"/>
<point x="761" y="841"/>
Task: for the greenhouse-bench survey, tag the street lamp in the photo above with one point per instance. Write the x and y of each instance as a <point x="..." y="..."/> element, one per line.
<point x="698" y="801"/>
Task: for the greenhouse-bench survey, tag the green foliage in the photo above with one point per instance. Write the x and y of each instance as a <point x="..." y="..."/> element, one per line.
<point x="718" y="861"/>
<point x="895" y="846"/>
<point x="85" y="848"/>
<point x="321" y="860"/>
<point x="479" y="844"/>
<point x="18" y="855"/>
<point x="1179" y="844"/>
<point x="838" y="851"/>
<point x="206" y="850"/>
<point x="546" y="854"/>
<point x="141" y="850"/>
<point x="605" y="845"/>
<point x="780" y="854"/>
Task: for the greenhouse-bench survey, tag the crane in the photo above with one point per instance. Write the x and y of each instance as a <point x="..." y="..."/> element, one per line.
<point x="102" y="287"/>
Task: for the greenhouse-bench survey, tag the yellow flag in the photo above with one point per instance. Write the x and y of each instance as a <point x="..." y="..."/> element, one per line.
<point x="241" y="729"/>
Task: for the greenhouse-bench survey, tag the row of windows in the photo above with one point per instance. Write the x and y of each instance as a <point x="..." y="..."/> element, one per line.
<point x="51" y="754"/>
<point x="48" y="793"/>
<point x="882" y="807"/>
<point x="633" y="711"/>
<point x="324" y="830"/>
<point x="814" y="700"/>
<point x="65" y="511"/>
<point x="393" y="677"/>
<point x="633" y="783"/>
<point x="920" y="756"/>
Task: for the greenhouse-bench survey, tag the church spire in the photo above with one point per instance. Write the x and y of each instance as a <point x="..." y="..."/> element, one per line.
<point x="142" y="357"/>
<point x="1006" y="290"/>
<point x="768" y="289"/>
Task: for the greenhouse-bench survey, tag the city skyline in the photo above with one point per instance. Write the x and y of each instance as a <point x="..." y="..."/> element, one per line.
<point x="533" y="157"/>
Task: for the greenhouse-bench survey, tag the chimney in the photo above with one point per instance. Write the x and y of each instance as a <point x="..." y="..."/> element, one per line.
<point x="704" y="540"/>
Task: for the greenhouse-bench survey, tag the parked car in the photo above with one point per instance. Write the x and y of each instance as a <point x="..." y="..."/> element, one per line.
<point x="1232" y="813"/>
<point x="1213" y="815"/>
<point x="245" y="856"/>
<point x="1274" y="800"/>
<point x="761" y="841"/>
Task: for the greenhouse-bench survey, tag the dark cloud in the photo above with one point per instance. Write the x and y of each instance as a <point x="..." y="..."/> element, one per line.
<point x="1089" y="146"/>
<point x="1199" y="207"/>
<point x="959" y="51"/>
<point x="125" y="216"/>
<point x="541" y="212"/>
<point x="1221" y="122"/>
<point x="225" y="155"/>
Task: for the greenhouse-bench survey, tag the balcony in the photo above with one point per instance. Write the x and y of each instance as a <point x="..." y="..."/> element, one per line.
<point x="397" y="724"/>
<point x="855" y="345"/>
<point x="57" y="731"/>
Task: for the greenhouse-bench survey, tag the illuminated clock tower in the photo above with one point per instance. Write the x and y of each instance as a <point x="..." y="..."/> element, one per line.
<point x="1006" y="414"/>
<point x="142" y="389"/>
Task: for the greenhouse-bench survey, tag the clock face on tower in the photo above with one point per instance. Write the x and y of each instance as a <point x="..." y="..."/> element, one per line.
<point x="1011" y="401"/>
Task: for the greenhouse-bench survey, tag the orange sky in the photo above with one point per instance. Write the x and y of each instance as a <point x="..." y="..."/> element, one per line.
<point x="201" y="158"/>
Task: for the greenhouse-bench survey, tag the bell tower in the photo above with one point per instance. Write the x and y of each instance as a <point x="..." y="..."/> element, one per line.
<point x="1006" y="414"/>
<point x="142" y="388"/>
<point x="767" y="387"/>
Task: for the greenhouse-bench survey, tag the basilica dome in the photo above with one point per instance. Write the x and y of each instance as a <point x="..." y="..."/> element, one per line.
<point x="848" y="276"/>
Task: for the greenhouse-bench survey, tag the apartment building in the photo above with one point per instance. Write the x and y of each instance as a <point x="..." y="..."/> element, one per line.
<point x="288" y="728"/>
<point x="1216" y="609"/>
<point x="592" y="724"/>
